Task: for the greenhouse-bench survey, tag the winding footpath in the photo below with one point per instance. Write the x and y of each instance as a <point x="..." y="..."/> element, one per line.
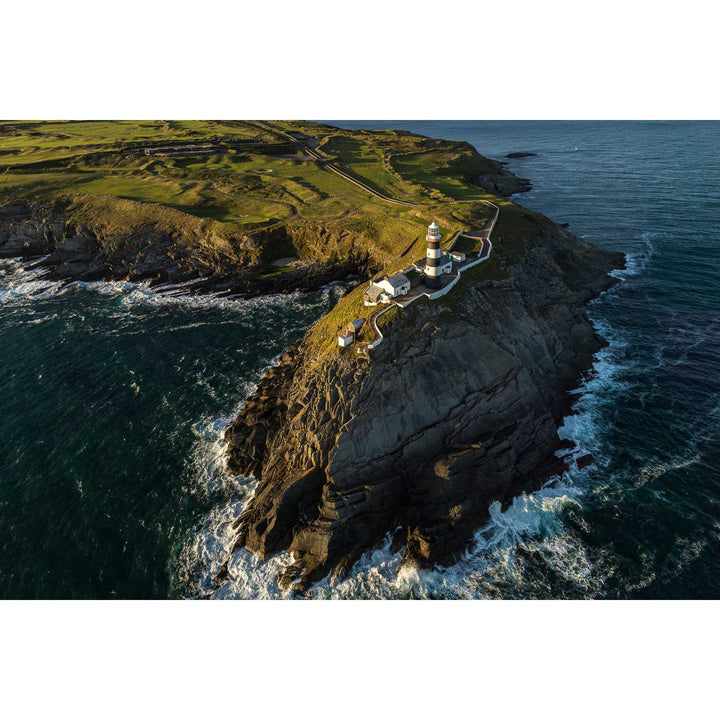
<point x="484" y="254"/>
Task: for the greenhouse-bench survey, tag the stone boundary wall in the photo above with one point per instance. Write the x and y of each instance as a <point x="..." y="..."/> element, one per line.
<point x="447" y="288"/>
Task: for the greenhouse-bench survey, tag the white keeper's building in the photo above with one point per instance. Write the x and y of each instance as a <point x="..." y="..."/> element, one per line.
<point x="387" y="289"/>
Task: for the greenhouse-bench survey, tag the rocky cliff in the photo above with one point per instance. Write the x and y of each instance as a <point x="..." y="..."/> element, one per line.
<point x="163" y="246"/>
<point x="501" y="181"/>
<point x="458" y="407"/>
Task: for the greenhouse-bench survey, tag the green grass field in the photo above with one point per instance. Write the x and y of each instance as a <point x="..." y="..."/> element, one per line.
<point x="240" y="186"/>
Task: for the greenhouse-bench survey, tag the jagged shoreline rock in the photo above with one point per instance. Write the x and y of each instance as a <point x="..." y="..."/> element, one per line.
<point x="502" y="182"/>
<point x="459" y="407"/>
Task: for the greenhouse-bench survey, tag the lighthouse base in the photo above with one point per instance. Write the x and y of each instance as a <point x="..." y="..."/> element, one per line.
<point x="433" y="282"/>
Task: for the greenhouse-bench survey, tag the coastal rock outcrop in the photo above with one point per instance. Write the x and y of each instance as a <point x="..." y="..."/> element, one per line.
<point x="502" y="182"/>
<point x="458" y="407"/>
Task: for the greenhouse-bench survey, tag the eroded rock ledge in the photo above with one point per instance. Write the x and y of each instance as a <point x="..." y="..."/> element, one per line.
<point x="459" y="407"/>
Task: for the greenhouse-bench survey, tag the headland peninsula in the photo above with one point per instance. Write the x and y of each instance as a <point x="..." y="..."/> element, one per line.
<point x="461" y="403"/>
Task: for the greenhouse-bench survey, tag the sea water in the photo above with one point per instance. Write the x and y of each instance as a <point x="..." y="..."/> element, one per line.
<point x="113" y="480"/>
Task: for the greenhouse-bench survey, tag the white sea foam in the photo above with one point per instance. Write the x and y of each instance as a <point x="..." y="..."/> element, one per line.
<point x="636" y="262"/>
<point x="653" y="470"/>
<point x="22" y="283"/>
<point x="532" y="521"/>
<point x="685" y="551"/>
<point x="19" y="282"/>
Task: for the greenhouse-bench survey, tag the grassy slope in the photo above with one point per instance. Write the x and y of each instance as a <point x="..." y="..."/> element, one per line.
<point x="242" y="190"/>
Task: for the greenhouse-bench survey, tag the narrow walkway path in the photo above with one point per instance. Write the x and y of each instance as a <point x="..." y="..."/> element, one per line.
<point x="376" y="330"/>
<point x="484" y="254"/>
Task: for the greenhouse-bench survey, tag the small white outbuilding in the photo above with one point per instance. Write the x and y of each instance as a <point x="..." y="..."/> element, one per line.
<point x="348" y="337"/>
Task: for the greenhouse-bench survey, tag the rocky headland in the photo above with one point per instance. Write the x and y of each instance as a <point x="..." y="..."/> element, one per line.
<point x="457" y="408"/>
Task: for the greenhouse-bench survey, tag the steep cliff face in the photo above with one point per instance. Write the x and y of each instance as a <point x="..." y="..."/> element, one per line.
<point x="161" y="245"/>
<point x="458" y="407"/>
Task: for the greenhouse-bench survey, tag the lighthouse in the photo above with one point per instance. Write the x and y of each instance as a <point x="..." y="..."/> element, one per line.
<point x="433" y="260"/>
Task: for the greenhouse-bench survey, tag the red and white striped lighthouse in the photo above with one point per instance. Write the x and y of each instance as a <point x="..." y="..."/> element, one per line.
<point x="432" y="261"/>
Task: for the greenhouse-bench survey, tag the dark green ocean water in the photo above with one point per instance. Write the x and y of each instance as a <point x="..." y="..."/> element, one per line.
<point x="112" y="477"/>
<point x="113" y="405"/>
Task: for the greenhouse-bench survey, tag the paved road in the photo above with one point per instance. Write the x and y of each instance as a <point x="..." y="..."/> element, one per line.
<point x="320" y="157"/>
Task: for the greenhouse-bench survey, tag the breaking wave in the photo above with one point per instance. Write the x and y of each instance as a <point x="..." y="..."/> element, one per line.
<point x="531" y="525"/>
<point x="22" y="282"/>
